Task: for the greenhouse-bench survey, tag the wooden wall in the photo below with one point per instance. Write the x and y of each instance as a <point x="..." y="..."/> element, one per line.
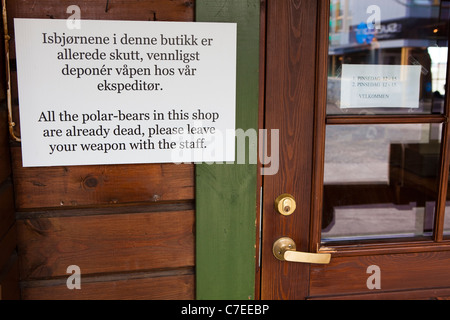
<point x="130" y="228"/>
<point x="9" y="276"/>
<point x="9" y="288"/>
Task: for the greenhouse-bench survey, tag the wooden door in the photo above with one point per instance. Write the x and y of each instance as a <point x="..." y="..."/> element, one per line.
<point x="129" y="228"/>
<point x="370" y="182"/>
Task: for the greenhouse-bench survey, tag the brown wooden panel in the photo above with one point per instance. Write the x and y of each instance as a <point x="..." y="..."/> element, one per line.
<point x="7" y="246"/>
<point x="179" y="287"/>
<point x="5" y="162"/>
<point x="9" y="279"/>
<point x="100" y="185"/>
<point x="7" y="207"/>
<point x="9" y="288"/>
<point x="105" y="210"/>
<point x="347" y="275"/>
<point x="430" y="294"/>
<point x="176" y="10"/>
<point x="105" y="243"/>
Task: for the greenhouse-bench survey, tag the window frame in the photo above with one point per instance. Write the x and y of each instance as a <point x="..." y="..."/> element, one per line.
<point x="437" y="241"/>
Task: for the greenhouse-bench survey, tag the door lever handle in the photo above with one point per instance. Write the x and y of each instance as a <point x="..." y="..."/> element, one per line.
<point x="284" y="249"/>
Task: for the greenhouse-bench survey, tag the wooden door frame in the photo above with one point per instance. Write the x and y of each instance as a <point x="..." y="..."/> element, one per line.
<point x="290" y="100"/>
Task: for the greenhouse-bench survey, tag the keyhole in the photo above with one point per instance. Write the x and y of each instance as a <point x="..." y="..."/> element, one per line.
<point x="287" y="206"/>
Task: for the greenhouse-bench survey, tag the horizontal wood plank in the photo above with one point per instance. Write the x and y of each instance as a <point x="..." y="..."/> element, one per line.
<point x="100" y="185"/>
<point x="105" y="244"/>
<point x="175" y="10"/>
<point x="429" y="294"/>
<point x="411" y="271"/>
<point x="99" y="211"/>
<point x="178" y="287"/>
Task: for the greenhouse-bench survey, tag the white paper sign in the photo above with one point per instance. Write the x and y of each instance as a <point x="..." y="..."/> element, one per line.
<point x="380" y="86"/>
<point x="117" y="92"/>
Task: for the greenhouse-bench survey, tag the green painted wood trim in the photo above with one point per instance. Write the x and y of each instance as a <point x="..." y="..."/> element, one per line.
<point x="226" y="193"/>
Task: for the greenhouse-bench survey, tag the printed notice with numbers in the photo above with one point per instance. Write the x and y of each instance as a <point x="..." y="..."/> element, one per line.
<point x="118" y="92"/>
<point x="380" y="86"/>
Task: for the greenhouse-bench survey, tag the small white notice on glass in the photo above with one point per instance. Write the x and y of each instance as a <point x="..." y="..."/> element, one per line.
<point x="124" y="92"/>
<point x="380" y="86"/>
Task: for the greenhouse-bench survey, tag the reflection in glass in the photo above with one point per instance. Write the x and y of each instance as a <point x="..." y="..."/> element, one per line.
<point x="380" y="181"/>
<point x="393" y="33"/>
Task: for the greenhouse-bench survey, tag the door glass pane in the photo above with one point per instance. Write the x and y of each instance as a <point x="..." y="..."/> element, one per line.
<point x="387" y="56"/>
<point x="380" y="181"/>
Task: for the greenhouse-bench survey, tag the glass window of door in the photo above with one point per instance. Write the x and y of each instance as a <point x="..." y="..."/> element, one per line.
<point x="386" y="152"/>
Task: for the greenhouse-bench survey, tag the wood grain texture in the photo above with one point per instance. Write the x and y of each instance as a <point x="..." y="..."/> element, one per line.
<point x="427" y="294"/>
<point x="290" y="96"/>
<point x="175" y="10"/>
<point x="177" y="287"/>
<point x="8" y="245"/>
<point x="100" y="185"/>
<point x="9" y="280"/>
<point x="9" y="274"/>
<point x="105" y="244"/>
<point x="7" y="207"/>
<point x="412" y="271"/>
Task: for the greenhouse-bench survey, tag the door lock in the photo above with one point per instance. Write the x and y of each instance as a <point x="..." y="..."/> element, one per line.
<point x="285" y="204"/>
<point x="284" y="250"/>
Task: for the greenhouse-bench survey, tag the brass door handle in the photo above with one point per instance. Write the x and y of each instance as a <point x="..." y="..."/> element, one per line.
<point x="284" y="250"/>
